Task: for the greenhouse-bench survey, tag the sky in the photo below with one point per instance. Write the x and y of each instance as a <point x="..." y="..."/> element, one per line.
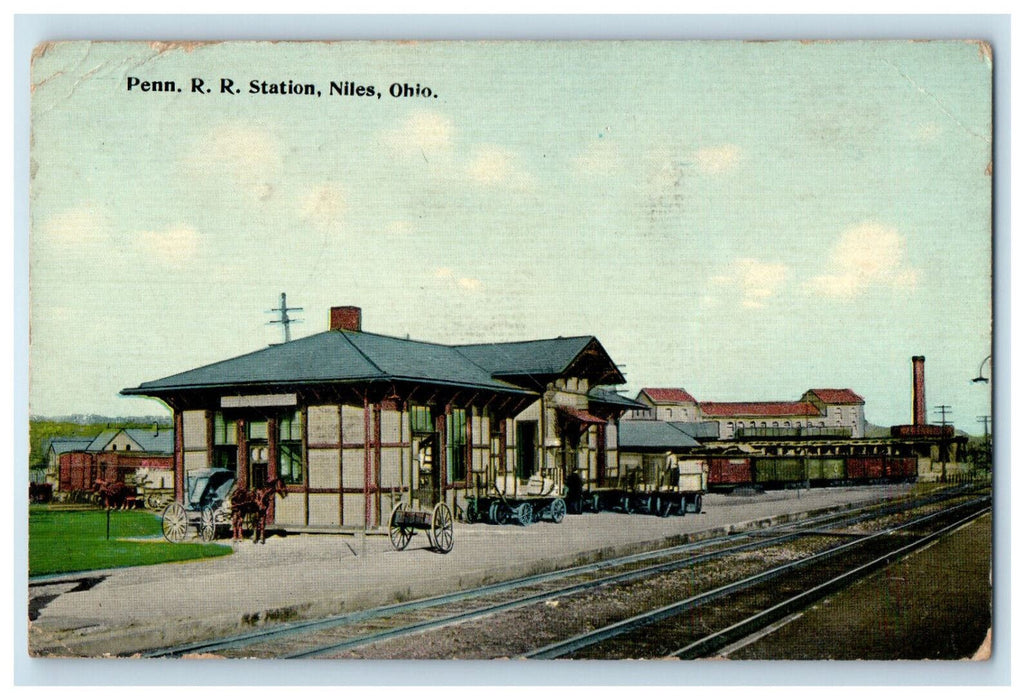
<point x="743" y="220"/>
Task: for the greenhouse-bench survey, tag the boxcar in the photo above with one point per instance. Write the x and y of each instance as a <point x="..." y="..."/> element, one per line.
<point x="900" y="468"/>
<point x="728" y="472"/>
<point x="865" y="468"/>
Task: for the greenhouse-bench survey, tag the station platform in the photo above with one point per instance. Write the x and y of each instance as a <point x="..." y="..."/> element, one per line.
<point x="123" y="611"/>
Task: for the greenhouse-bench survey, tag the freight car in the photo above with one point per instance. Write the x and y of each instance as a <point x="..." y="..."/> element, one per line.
<point x="766" y="472"/>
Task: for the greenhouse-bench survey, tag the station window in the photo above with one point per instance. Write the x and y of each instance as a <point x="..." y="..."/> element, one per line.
<point x="421" y="420"/>
<point x="225" y="455"/>
<point x="289" y="449"/>
<point x="457" y="445"/>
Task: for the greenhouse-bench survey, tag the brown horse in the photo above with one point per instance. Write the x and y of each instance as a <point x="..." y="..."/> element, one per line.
<point x="246" y="503"/>
<point x="114" y="494"/>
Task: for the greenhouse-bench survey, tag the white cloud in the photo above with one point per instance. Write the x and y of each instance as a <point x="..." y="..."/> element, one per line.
<point x="83" y="225"/>
<point x="448" y="277"/>
<point x="717" y="159"/>
<point x="426" y="133"/>
<point x="753" y="281"/>
<point x="325" y="206"/>
<point x="247" y="156"/>
<point x="496" y="166"/>
<point x="175" y="246"/>
<point x="867" y="255"/>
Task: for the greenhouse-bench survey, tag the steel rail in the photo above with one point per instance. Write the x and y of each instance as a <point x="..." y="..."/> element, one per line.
<point x="587" y="639"/>
<point x="296" y="628"/>
<point x="768" y="616"/>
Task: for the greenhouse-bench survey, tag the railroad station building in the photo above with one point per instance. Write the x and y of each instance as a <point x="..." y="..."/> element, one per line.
<point x="354" y="422"/>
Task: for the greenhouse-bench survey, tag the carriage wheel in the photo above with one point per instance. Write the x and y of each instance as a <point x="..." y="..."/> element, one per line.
<point x="498" y="512"/>
<point x="400" y="536"/>
<point x="441" y="529"/>
<point x="207" y="524"/>
<point x="525" y="514"/>
<point x="471" y="513"/>
<point x="174" y="522"/>
<point x="625" y="503"/>
<point x="698" y="503"/>
<point x="683" y="508"/>
<point x="558" y="510"/>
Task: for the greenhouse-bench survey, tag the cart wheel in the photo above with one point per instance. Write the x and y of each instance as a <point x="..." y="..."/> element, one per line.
<point x="525" y="514"/>
<point x="399" y="536"/>
<point x="625" y="504"/>
<point x="471" y="513"/>
<point x="498" y="512"/>
<point x="441" y="529"/>
<point x="698" y="503"/>
<point x="558" y="510"/>
<point x="208" y="524"/>
<point x="174" y="522"/>
<point x="683" y="508"/>
<point x="656" y="505"/>
<point x="596" y="503"/>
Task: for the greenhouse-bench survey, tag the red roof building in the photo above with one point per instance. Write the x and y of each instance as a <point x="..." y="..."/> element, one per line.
<point x="844" y="397"/>
<point x="658" y="396"/>
<point x="667" y="404"/>
<point x="713" y="409"/>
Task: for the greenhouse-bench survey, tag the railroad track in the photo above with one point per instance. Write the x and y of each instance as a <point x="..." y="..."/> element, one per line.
<point x="754" y="602"/>
<point x="343" y="633"/>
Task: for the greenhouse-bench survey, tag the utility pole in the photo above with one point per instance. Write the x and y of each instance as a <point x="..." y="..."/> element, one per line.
<point x="284" y="318"/>
<point x="944" y="410"/>
<point x="986" y="420"/>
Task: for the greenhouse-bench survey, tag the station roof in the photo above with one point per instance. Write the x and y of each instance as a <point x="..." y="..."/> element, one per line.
<point x="355" y="356"/>
<point x="552" y="357"/>
<point x="612" y="398"/>
<point x="654" y="435"/>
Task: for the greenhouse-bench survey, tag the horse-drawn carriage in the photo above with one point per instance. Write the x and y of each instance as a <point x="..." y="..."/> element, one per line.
<point x="206" y="508"/>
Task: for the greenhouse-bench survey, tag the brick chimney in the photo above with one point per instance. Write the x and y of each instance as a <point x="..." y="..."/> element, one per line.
<point x="919" y="413"/>
<point x="345" y="318"/>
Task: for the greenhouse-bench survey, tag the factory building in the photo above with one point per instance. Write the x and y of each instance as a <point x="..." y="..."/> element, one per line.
<point x="354" y="422"/>
<point x="829" y="412"/>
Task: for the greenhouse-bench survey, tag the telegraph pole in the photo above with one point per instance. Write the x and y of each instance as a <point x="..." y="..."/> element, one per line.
<point x="944" y="410"/>
<point x="985" y="421"/>
<point x="284" y="317"/>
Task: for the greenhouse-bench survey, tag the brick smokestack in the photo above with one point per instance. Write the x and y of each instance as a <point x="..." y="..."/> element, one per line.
<point x="920" y="412"/>
<point x="345" y="318"/>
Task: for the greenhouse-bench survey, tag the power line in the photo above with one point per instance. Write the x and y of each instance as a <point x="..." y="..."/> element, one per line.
<point x="284" y="317"/>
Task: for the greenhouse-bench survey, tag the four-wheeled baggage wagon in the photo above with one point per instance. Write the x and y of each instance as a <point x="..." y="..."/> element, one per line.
<point x="512" y="500"/>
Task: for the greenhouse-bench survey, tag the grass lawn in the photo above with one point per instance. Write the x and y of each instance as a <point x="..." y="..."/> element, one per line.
<point x="74" y="540"/>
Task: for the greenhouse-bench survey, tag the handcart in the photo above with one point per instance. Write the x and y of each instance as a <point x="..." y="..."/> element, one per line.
<point x="437" y="524"/>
